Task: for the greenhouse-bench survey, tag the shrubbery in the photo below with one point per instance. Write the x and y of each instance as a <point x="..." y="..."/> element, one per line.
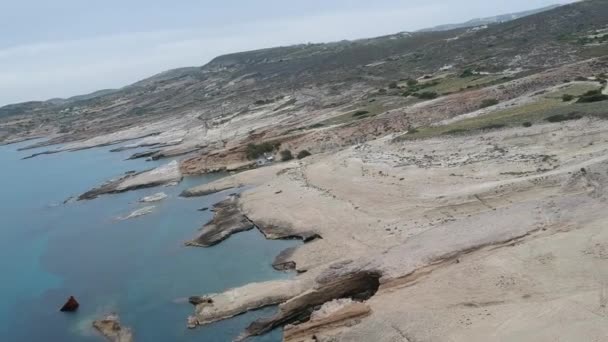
<point x="467" y="73"/>
<point x="567" y="97"/>
<point x="561" y="117"/>
<point x="428" y="95"/>
<point x="303" y="154"/>
<point x="488" y="103"/>
<point x="286" y="155"/>
<point x="360" y="113"/>
<point x="592" y="96"/>
<point x="255" y="151"/>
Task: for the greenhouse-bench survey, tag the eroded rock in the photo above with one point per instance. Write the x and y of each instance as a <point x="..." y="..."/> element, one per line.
<point x="226" y="221"/>
<point x="331" y="315"/>
<point x="166" y="174"/>
<point x="356" y="286"/>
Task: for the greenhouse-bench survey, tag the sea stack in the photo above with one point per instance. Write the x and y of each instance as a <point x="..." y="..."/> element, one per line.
<point x="70" y="306"/>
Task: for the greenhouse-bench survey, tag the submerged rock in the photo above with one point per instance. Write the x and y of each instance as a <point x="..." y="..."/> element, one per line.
<point x="139" y="212"/>
<point x="70" y="306"/>
<point x="154" y="198"/>
<point x="112" y="330"/>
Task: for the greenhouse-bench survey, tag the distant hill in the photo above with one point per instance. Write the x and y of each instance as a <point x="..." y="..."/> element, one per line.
<point x="233" y="82"/>
<point x="489" y="20"/>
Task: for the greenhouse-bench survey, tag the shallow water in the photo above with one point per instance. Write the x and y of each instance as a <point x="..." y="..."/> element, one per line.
<point x="138" y="268"/>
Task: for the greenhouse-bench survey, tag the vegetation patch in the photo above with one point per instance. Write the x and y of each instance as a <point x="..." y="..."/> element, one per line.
<point x="427" y="95"/>
<point x="360" y="113"/>
<point x="268" y="101"/>
<point x="543" y="111"/>
<point x="567" y="97"/>
<point x="467" y="73"/>
<point x="254" y="151"/>
<point x="592" y="96"/>
<point x="455" y="83"/>
<point x="488" y="103"/>
<point x="564" y="117"/>
<point x="286" y="155"/>
<point x="303" y="154"/>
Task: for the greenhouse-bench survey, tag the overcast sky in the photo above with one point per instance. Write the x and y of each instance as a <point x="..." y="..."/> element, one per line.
<point x="62" y="48"/>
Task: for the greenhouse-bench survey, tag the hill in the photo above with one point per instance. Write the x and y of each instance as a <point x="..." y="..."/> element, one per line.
<point x="232" y="83"/>
<point x="489" y="20"/>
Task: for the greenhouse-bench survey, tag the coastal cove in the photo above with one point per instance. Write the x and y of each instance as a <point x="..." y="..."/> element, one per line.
<point x="138" y="268"/>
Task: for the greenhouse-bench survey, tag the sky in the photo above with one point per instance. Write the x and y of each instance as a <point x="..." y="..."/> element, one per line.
<point x="63" y="48"/>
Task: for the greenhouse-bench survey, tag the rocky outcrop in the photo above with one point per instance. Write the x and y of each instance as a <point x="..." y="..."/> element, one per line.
<point x="283" y="261"/>
<point x="215" y="307"/>
<point x="166" y="174"/>
<point x="357" y="286"/>
<point x="283" y="232"/>
<point x="70" y="306"/>
<point x="112" y="330"/>
<point x="226" y="221"/>
<point x="205" y="190"/>
<point x="216" y="161"/>
<point x="142" y="154"/>
<point x="332" y="315"/>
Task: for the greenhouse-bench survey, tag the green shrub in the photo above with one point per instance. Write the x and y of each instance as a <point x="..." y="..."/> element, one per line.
<point x="581" y="78"/>
<point x="467" y="73"/>
<point x="592" y="96"/>
<point x="527" y="124"/>
<point x="286" y="155"/>
<point x="412" y="82"/>
<point x="567" y="97"/>
<point x="303" y="154"/>
<point x="360" y="113"/>
<point x="428" y="95"/>
<point x="493" y="126"/>
<point x="561" y="117"/>
<point x="254" y="151"/>
<point x="593" y="92"/>
<point x="488" y="103"/>
<point x="392" y="85"/>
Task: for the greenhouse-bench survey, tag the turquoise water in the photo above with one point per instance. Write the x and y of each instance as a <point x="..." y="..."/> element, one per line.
<point x="138" y="268"/>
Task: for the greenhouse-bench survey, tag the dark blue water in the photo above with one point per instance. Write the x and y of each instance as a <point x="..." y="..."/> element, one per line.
<point x="138" y="268"/>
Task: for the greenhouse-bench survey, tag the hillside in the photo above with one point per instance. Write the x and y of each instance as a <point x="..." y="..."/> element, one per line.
<point x="534" y="42"/>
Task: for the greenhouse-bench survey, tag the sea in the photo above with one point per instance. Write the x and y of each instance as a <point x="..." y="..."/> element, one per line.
<point x="137" y="268"/>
